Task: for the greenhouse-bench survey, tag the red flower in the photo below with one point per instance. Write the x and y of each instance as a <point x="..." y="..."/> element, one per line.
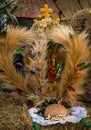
<point x="52" y="79"/>
<point x="64" y="103"/>
<point x="19" y="91"/>
<point x="71" y="89"/>
<point x="51" y="69"/>
<point x="51" y="66"/>
<point x="79" y="68"/>
<point x="30" y="106"/>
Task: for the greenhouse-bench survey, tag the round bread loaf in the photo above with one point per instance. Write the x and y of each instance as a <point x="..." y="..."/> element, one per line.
<point x="55" y="112"/>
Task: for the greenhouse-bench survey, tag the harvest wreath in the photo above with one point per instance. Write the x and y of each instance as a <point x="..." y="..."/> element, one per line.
<point x="54" y="67"/>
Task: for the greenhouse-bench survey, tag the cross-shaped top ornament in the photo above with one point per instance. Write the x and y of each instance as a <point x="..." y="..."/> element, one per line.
<point x="46" y="11"/>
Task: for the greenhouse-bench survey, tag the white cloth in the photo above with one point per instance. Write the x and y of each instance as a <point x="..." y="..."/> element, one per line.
<point x="77" y="114"/>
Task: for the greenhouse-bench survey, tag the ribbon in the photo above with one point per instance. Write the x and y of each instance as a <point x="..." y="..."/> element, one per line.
<point x="85" y="122"/>
<point x="30" y="105"/>
<point x="35" y="125"/>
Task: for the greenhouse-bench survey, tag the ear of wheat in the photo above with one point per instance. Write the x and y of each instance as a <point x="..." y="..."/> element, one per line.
<point x="16" y="37"/>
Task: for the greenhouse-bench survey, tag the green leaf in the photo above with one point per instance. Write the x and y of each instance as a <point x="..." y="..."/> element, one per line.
<point x="19" y="51"/>
<point x="5" y="5"/>
<point x="11" y="17"/>
<point x="13" y="10"/>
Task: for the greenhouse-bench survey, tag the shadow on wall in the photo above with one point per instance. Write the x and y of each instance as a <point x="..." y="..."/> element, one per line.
<point x="25" y="22"/>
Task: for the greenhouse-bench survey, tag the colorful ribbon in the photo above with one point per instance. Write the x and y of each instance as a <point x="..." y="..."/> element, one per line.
<point x="35" y="125"/>
<point x="85" y="122"/>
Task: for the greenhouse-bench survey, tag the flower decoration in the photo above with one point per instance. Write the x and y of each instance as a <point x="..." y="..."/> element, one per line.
<point x="34" y="53"/>
<point x="57" y="20"/>
<point x="39" y="16"/>
<point x="35" y="71"/>
<point x="81" y="66"/>
<point x="52" y="78"/>
<point x="90" y="11"/>
<point x="71" y="89"/>
<point x="46" y="13"/>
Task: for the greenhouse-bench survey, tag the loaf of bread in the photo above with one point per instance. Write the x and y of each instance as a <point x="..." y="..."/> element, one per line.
<point x="55" y="112"/>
